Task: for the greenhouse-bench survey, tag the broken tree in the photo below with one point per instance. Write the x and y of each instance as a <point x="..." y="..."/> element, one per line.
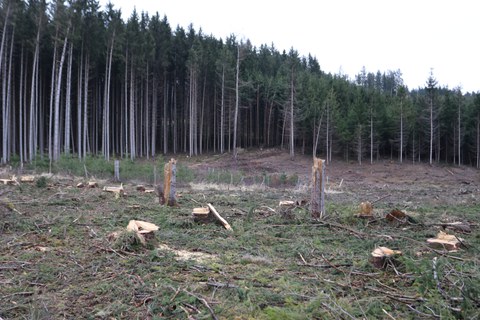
<point x="317" y="205"/>
<point x="169" y="183"/>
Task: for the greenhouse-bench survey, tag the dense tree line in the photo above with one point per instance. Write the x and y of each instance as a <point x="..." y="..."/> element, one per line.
<point x="78" y="81"/>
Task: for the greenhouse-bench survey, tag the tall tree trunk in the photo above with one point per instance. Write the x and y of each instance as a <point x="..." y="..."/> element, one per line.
<point x="85" y="105"/>
<point x="478" y="140"/>
<point x="132" y="115"/>
<point x="237" y="103"/>
<point x="6" y="104"/>
<point x="68" y="102"/>
<point x="371" y="134"/>
<point x="79" y="106"/>
<point x="33" y="98"/>
<point x="292" y="129"/>
<point x="401" y="131"/>
<point x="56" y="131"/>
<point x="431" y="130"/>
<point x="52" y="97"/>
<point x="154" y="116"/>
<point x="165" y="116"/>
<point x="106" y="101"/>
<point x="222" y="113"/>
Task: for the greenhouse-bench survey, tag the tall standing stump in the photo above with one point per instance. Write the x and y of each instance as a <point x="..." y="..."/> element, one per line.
<point x="317" y="203"/>
<point x="116" y="170"/>
<point x="169" y="183"/>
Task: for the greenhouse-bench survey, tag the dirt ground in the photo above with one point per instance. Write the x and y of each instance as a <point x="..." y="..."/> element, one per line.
<point x="407" y="184"/>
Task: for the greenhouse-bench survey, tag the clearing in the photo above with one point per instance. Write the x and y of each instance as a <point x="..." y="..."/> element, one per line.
<point x="57" y="260"/>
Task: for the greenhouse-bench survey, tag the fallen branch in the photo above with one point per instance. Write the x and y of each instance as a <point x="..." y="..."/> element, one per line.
<point x="219" y="217"/>
<point x="203" y="301"/>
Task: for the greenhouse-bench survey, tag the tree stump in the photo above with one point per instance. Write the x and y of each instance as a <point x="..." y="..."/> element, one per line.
<point x="116" y="170"/>
<point x="317" y="204"/>
<point x="169" y="183"/>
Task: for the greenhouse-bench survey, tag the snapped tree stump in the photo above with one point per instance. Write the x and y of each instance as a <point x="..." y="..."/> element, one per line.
<point x="170" y="183"/>
<point x="317" y="203"/>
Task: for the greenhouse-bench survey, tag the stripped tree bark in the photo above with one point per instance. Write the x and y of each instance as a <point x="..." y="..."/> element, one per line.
<point x="169" y="183"/>
<point x="317" y="203"/>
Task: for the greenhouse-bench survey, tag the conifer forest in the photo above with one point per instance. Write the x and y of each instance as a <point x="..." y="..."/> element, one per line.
<point x="78" y="80"/>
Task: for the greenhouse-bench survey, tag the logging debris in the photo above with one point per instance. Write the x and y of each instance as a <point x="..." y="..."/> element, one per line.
<point x="446" y="241"/>
<point x="383" y="256"/>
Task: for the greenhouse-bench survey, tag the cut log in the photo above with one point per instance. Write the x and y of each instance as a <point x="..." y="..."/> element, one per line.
<point x="201" y="214"/>
<point x="80" y="185"/>
<point x="446" y="241"/>
<point x="382" y="255"/>
<point x="286" y="203"/>
<point x="317" y="203"/>
<point x="27" y="178"/>
<point x="12" y="180"/>
<point x="117" y="190"/>
<point x="92" y="184"/>
<point x="149" y="190"/>
<point x="219" y="217"/>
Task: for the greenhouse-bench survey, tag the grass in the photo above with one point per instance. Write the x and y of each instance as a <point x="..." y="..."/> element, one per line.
<point x="57" y="261"/>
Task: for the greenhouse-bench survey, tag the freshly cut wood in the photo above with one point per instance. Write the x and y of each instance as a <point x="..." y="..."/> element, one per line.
<point x="381" y="255"/>
<point x="12" y="180"/>
<point x="317" y="203"/>
<point x="366" y="209"/>
<point x="447" y="241"/>
<point x="201" y="214"/>
<point x="286" y="203"/>
<point x="141" y="226"/>
<point x="141" y="229"/>
<point x="27" y="178"/>
<point x="219" y="217"/>
<point x="169" y="183"/>
<point x="80" y="185"/>
<point x="92" y="184"/>
<point x="116" y="190"/>
<point x="149" y="190"/>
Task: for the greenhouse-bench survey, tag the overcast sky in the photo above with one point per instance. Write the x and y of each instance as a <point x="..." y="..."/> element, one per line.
<point x="414" y="36"/>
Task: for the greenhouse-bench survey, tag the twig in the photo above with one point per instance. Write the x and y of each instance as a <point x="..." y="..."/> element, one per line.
<point x="23" y="293"/>
<point x="220" y="284"/>
<point x="375" y="201"/>
<point x="388" y="314"/>
<point x="203" y="301"/>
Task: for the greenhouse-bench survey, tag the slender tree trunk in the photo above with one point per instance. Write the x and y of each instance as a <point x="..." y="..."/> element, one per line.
<point x="85" y="105"/>
<point x="21" y="109"/>
<point x="371" y="134"/>
<point x="478" y="140"/>
<point x="165" y="115"/>
<point x="33" y="98"/>
<point x="132" y="115"/>
<point x="359" y="144"/>
<point x="237" y="103"/>
<point x="106" y="103"/>
<point x="154" y="116"/>
<point x="431" y="130"/>
<point x="222" y="113"/>
<point x="56" y="130"/>
<point x="79" y="106"/>
<point x="4" y="34"/>
<point x="52" y="97"/>
<point x="7" y="80"/>
<point x="68" y="101"/>
<point x="459" y="133"/>
<point x="401" y="131"/>
<point x="292" y="129"/>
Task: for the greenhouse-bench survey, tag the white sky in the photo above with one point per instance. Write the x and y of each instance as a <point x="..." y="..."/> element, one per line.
<point x="345" y="35"/>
